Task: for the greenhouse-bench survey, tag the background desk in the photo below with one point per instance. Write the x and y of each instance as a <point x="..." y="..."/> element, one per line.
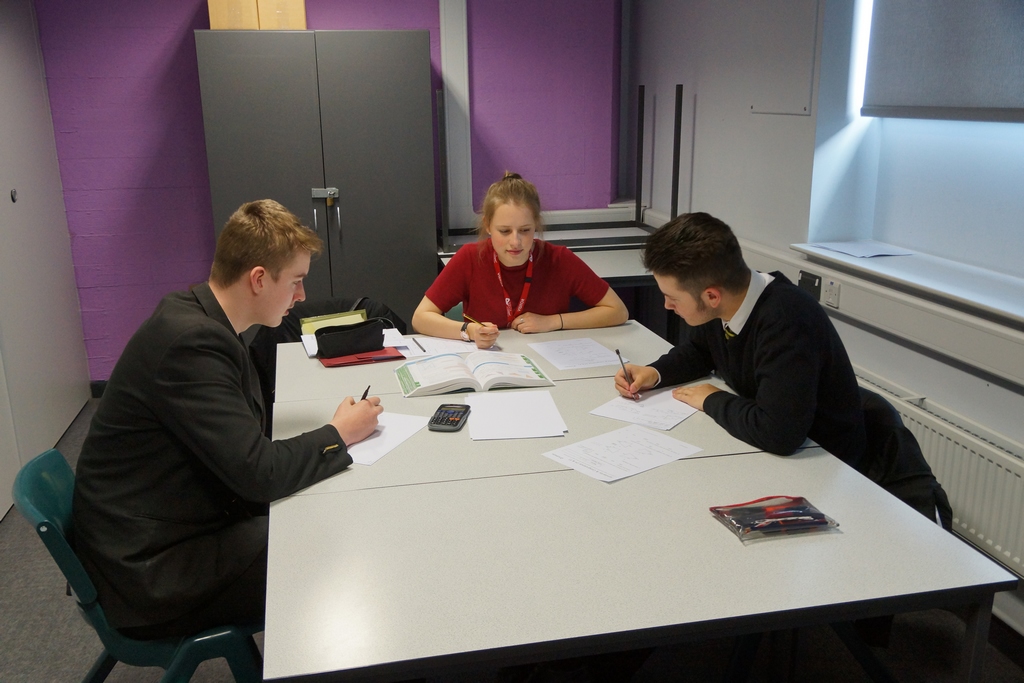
<point x="402" y="580"/>
<point x="300" y="379"/>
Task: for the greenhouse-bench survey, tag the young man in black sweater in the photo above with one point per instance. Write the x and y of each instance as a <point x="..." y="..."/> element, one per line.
<point x="769" y="340"/>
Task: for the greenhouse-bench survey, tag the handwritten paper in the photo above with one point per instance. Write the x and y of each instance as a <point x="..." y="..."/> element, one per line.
<point x="622" y="453"/>
<point x="655" y="409"/>
<point x="573" y="354"/>
<point x="392" y="429"/>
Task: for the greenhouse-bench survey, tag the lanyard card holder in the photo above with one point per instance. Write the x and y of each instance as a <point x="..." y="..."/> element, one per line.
<point x="772" y="517"/>
<point x="346" y="340"/>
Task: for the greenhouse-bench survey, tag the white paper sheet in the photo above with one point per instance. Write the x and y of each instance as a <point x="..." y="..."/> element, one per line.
<point x="505" y="414"/>
<point x="573" y="354"/>
<point x="622" y="453"/>
<point x="433" y="346"/>
<point x="309" y="344"/>
<point x="392" y="429"/>
<point x="393" y="337"/>
<point x="656" y="409"/>
<point x="863" y="248"/>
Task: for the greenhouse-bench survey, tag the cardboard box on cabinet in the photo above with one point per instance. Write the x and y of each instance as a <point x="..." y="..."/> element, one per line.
<point x="233" y="14"/>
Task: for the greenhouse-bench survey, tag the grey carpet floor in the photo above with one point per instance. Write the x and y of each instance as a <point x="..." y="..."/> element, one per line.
<point x="43" y="640"/>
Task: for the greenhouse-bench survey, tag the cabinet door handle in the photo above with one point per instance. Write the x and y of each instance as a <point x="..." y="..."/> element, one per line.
<point x="329" y="195"/>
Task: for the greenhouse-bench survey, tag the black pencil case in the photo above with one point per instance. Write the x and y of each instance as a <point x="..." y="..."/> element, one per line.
<point x="346" y="340"/>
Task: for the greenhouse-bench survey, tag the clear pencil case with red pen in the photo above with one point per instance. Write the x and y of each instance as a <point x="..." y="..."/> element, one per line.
<point x="773" y="516"/>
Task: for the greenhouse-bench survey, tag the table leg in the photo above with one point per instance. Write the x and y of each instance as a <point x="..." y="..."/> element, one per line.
<point x="972" y="658"/>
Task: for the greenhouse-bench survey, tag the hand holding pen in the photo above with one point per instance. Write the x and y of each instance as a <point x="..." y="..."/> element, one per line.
<point x="356" y="420"/>
<point x="632" y="379"/>
<point x="628" y="379"/>
<point x="485" y="334"/>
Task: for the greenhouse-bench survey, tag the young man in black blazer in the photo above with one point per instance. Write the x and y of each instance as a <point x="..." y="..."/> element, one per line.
<point x="769" y="340"/>
<point x="175" y="476"/>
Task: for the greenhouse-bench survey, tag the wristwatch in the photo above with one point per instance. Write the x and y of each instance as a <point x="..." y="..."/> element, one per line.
<point x="463" y="333"/>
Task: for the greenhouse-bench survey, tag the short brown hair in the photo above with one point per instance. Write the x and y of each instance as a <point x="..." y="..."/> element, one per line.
<point x="260" y="233"/>
<point x="511" y="189"/>
<point x="699" y="251"/>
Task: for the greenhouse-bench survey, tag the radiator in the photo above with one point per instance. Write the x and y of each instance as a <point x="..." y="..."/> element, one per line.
<point x="981" y="471"/>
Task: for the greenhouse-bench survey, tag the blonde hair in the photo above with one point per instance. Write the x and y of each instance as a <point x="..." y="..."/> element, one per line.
<point x="260" y="233"/>
<point x="511" y="189"/>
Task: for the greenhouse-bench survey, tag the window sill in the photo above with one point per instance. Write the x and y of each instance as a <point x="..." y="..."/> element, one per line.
<point x="979" y="292"/>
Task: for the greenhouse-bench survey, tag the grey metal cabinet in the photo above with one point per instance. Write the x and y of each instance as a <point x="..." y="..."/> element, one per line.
<point x="290" y="112"/>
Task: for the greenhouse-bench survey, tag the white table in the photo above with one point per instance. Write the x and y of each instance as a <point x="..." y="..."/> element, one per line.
<point x="404" y="580"/>
<point x="449" y="552"/>
<point x="298" y="378"/>
<point x="435" y="456"/>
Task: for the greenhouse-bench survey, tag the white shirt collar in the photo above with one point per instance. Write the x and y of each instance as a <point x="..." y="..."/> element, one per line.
<point x="758" y="282"/>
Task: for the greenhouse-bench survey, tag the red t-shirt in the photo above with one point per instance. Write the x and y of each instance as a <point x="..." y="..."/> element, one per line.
<point x="558" y="275"/>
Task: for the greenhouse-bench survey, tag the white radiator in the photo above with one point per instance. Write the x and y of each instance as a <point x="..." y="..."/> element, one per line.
<point x="982" y="472"/>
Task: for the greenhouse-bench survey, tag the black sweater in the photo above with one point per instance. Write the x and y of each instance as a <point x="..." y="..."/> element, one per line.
<point x="789" y="370"/>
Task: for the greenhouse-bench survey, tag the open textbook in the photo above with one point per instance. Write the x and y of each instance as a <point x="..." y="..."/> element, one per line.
<point x="479" y="371"/>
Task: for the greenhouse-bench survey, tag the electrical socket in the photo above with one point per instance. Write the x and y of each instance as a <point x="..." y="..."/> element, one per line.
<point x="830" y="290"/>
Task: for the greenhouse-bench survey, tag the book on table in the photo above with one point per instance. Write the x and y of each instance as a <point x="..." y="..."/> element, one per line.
<point x="312" y="324"/>
<point x="479" y="371"/>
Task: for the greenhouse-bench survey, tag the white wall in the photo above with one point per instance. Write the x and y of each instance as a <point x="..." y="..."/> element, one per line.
<point x="750" y="169"/>
<point x="41" y="341"/>
<point x="954" y="189"/>
<point x="946" y="188"/>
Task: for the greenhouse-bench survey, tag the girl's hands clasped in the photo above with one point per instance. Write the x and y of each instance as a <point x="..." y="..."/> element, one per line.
<point x="531" y="323"/>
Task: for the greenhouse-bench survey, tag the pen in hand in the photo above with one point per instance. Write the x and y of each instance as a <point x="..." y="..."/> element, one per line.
<point x="365" y="393"/>
<point x="482" y="325"/>
<point x="625" y="372"/>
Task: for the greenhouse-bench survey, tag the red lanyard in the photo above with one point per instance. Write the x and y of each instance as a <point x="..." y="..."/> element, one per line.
<point x="526" y="288"/>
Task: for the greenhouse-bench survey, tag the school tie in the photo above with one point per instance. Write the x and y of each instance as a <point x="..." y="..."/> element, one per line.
<point x="729" y="334"/>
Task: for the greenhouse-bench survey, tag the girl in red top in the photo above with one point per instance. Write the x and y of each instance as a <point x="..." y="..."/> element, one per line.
<point x="510" y="279"/>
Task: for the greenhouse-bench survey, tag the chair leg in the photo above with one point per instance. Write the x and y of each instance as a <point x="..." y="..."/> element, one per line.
<point x="247" y="667"/>
<point x="100" y="669"/>
<point x="240" y="651"/>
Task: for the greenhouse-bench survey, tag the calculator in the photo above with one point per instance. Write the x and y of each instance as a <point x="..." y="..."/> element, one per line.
<point x="449" y="417"/>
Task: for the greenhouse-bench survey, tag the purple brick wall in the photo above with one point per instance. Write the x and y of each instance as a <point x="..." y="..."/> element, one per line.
<point x="124" y="92"/>
<point x="544" y="97"/>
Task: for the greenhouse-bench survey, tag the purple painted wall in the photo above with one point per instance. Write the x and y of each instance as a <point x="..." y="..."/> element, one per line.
<point x="124" y="92"/>
<point x="544" y="97"/>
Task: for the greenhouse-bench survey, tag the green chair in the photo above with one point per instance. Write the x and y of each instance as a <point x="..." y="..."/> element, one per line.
<point x="455" y="313"/>
<point x="42" y="493"/>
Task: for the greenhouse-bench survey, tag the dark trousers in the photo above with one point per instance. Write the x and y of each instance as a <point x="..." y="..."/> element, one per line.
<point x="242" y="602"/>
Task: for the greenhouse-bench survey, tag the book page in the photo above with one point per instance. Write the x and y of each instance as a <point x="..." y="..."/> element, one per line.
<point x="441" y="369"/>
<point x="490" y="368"/>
